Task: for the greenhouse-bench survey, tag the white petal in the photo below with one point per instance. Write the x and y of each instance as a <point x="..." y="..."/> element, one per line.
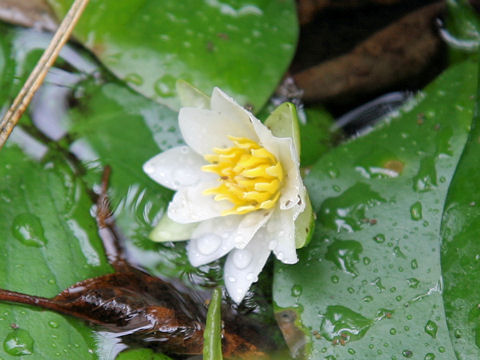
<point x="243" y="265"/>
<point x="214" y="238"/>
<point x="293" y="190"/>
<point x="204" y="129"/>
<point x="177" y="168"/>
<point x="224" y="104"/>
<point x="281" y="229"/>
<point x="249" y="226"/>
<point x="190" y="205"/>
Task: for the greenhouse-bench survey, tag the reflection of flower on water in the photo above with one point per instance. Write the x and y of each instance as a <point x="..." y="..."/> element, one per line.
<point x="238" y="191"/>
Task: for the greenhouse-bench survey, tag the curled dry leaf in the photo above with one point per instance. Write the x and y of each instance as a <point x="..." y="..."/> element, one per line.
<point x="399" y="52"/>
<point x="31" y="13"/>
<point x="145" y="310"/>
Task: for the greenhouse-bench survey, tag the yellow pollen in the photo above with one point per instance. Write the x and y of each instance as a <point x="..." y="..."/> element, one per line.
<point x="250" y="176"/>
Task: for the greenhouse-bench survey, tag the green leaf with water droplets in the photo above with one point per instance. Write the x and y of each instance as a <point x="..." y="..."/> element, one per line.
<point x="48" y="241"/>
<point x="371" y="278"/>
<point x="152" y="44"/>
<point x="461" y="251"/>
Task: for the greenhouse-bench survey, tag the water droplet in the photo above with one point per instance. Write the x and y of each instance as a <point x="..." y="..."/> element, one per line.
<point x="413" y="283"/>
<point x="344" y="254"/>
<point x="414" y="264"/>
<point x="393" y="331"/>
<point x="407" y="353"/>
<point x="366" y="260"/>
<point x="351" y="290"/>
<point x="441" y="349"/>
<point x="426" y="178"/>
<point x="379" y="238"/>
<point x="208" y="244"/>
<point x="334" y="279"/>
<point x="431" y="329"/>
<point x="134" y="79"/>
<point x="165" y="86"/>
<point x="232" y="279"/>
<point x="242" y="258"/>
<point x="416" y="211"/>
<point x="368" y="298"/>
<point x="398" y="298"/>
<point x="296" y="290"/>
<point x="53" y="324"/>
<point x="333" y="173"/>
<point x="457" y="333"/>
<point x="341" y="323"/>
<point x="378" y="283"/>
<point x="28" y="229"/>
<point x="398" y="252"/>
<point x="429" y="356"/>
<point x="19" y="342"/>
<point x="348" y="210"/>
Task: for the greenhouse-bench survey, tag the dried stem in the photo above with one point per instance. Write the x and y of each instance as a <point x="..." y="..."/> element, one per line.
<point x="38" y="74"/>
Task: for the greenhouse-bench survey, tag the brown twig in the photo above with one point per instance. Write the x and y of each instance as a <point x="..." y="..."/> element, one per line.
<point x="38" y="74"/>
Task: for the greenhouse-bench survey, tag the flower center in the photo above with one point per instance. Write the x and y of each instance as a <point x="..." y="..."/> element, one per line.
<point x="250" y="176"/>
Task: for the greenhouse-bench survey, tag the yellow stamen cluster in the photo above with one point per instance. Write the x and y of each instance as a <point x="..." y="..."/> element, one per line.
<point x="250" y="176"/>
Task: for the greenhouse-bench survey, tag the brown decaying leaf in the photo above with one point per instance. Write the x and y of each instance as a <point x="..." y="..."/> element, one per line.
<point x="31" y="13"/>
<point x="307" y="9"/>
<point x="390" y="56"/>
<point x="146" y="310"/>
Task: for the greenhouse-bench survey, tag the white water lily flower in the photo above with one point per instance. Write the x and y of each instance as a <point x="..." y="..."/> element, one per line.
<point x="238" y="190"/>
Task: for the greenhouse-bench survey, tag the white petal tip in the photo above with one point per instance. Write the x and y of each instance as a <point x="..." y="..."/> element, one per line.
<point x="236" y="291"/>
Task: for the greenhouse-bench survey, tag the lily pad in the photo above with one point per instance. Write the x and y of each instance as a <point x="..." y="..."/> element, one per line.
<point x="48" y="242"/>
<point x="208" y="43"/>
<point x="461" y="252"/>
<point x="369" y="285"/>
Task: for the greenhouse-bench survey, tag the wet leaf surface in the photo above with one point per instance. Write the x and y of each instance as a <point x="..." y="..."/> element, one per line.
<point x="369" y="283"/>
<point x="461" y="252"/>
<point x="49" y="241"/>
<point x="225" y="44"/>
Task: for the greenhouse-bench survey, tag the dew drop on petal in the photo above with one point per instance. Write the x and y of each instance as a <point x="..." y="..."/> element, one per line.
<point x="242" y="258"/>
<point x="208" y="243"/>
<point x="251" y="277"/>
<point x="185" y="177"/>
<point x="232" y="279"/>
<point x="280" y="256"/>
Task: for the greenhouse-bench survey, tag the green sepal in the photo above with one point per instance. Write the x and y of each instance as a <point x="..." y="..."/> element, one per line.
<point x="283" y="122"/>
<point x="169" y="230"/>
<point x="304" y="225"/>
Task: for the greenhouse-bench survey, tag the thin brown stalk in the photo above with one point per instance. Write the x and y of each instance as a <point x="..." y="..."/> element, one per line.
<point x="38" y="74"/>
